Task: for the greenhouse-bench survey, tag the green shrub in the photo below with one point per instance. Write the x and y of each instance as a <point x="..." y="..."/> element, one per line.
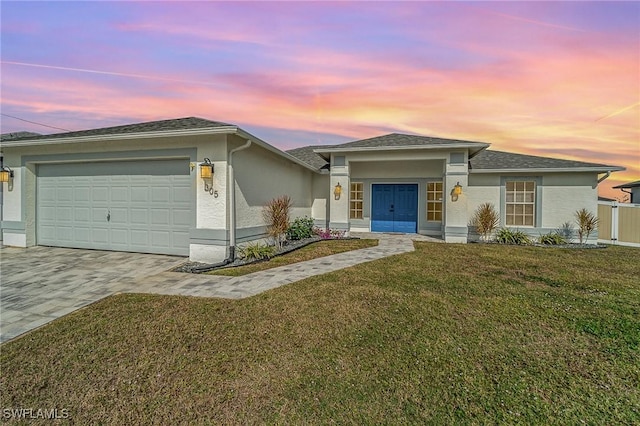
<point x="302" y="227"/>
<point x="486" y="220"/>
<point x="509" y="236"/>
<point x="552" y="239"/>
<point x="256" y="251"/>
<point x="587" y="223"/>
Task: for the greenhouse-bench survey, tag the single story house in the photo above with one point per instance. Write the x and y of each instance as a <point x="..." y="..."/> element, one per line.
<point x="634" y="191"/>
<point x="140" y="187"/>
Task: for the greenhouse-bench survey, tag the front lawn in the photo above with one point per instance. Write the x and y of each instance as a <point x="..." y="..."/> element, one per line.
<point x="447" y="334"/>
<point x="315" y="250"/>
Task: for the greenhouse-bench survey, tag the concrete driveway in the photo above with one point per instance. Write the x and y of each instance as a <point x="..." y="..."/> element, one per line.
<point x="40" y="284"/>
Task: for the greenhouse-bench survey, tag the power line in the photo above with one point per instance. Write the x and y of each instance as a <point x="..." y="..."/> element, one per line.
<point x="33" y="122"/>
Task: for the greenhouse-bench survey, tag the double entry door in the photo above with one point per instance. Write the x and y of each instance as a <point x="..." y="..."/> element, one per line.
<point x="394" y="208"/>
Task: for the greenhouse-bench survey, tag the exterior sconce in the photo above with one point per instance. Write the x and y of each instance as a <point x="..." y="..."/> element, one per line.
<point x="6" y="174"/>
<point x="457" y="189"/>
<point x="456" y="192"/>
<point x="206" y="173"/>
<point x="337" y="191"/>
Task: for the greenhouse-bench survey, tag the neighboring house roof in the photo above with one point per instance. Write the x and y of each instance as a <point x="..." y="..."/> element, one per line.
<point x="498" y="161"/>
<point x="606" y="199"/>
<point x="629" y="185"/>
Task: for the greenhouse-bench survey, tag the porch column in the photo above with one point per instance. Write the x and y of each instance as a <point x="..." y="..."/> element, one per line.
<point x="339" y="209"/>
<point x="456" y="219"/>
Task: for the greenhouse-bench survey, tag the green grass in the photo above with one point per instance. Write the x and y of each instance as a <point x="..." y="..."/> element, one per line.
<point x="312" y="251"/>
<point x="448" y="334"/>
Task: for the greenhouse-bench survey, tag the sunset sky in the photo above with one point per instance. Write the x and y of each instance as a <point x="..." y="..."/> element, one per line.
<point x="557" y="79"/>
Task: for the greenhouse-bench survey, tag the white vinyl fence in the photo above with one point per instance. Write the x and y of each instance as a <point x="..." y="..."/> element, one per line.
<point x="619" y="223"/>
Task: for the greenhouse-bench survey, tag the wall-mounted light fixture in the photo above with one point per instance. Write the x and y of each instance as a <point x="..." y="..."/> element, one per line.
<point x="457" y="189"/>
<point x="6" y="174"/>
<point x="456" y="192"/>
<point x="206" y="173"/>
<point x="337" y="191"/>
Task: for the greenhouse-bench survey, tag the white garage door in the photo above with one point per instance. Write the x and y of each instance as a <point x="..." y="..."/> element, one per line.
<point x="137" y="206"/>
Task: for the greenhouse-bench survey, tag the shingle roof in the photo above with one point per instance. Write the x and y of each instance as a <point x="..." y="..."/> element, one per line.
<point x="403" y="140"/>
<point x="188" y="123"/>
<point x="306" y="155"/>
<point x="17" y="135"/>
<point x="499" y="160"/>
<point x="629" y="185"/>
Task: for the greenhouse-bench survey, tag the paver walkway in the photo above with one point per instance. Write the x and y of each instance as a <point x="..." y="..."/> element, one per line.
<point x="40" y="284"/>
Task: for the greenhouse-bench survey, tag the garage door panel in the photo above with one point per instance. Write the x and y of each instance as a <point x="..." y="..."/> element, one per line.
<point x="64" y="194"/>
<point x="160" y="194"/>
<point x="160" y="217"/>
<point x="181" y="238"/>
<point x="82" y="234"/>
<point x="99" y="194"/>
<point x="119" y="237"/>
<point x="100" y="236"/>
<point x="160" y="238"/>
<point x="139" y="237"/>
<point x="99" y="214"/>
<point x="139" y="194"/>
<point x="119" y="216"/>
<point x="82" y="215"/>
<point x="181" y="218"/>
<point x="47" y="213"/>
<point x="150" y="212"/>
<point x="64" y="234"/>
<point x="82" y="195"/>
<point x="119" y="194"/>
<point x="139" y="216"/>
<point x="64" y="214"/>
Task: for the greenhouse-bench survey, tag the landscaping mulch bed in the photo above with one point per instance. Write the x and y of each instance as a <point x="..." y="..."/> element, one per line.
<point x="289" y="246"/>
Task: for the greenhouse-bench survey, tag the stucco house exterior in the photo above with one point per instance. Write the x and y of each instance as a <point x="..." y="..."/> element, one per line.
<point x="138" y="187"/>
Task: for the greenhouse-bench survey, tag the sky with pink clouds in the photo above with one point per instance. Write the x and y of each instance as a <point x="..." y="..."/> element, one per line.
<point x="558" y="79"/>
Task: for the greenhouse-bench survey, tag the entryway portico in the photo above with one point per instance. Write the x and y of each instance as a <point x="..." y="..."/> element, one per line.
<point x="401" y="183"/>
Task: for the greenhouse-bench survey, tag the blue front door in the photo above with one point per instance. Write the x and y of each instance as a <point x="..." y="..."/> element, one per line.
<point x="394" y="208"/>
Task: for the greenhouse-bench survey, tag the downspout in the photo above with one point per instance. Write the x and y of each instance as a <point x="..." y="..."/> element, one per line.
<point x="231" y="183"/>
<point x="232" y="200"/>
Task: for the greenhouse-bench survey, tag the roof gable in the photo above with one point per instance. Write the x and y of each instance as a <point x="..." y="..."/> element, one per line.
<point x="404" y="140"/>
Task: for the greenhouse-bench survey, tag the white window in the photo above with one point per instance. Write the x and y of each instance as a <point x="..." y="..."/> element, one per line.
<point x="434" y="201"/>
<point x="355" y="200"/>
<point x="520" y="203"/>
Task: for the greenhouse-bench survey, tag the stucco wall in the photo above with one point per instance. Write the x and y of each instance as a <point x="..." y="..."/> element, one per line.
<point x="320" y="194"/>
<point x="565" y="193"/>
<point x="262" y="176"/>
<point x="558" y="197"/>
<point x="390" y="169"/>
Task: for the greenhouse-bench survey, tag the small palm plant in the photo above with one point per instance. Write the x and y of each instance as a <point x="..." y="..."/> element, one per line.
<point x="486" y="219"/>
<point x="587" y="223"/>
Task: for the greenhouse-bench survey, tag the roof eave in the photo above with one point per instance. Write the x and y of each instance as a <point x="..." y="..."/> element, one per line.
<point x="551" y="170"/>
<point x="121" y="136"/>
